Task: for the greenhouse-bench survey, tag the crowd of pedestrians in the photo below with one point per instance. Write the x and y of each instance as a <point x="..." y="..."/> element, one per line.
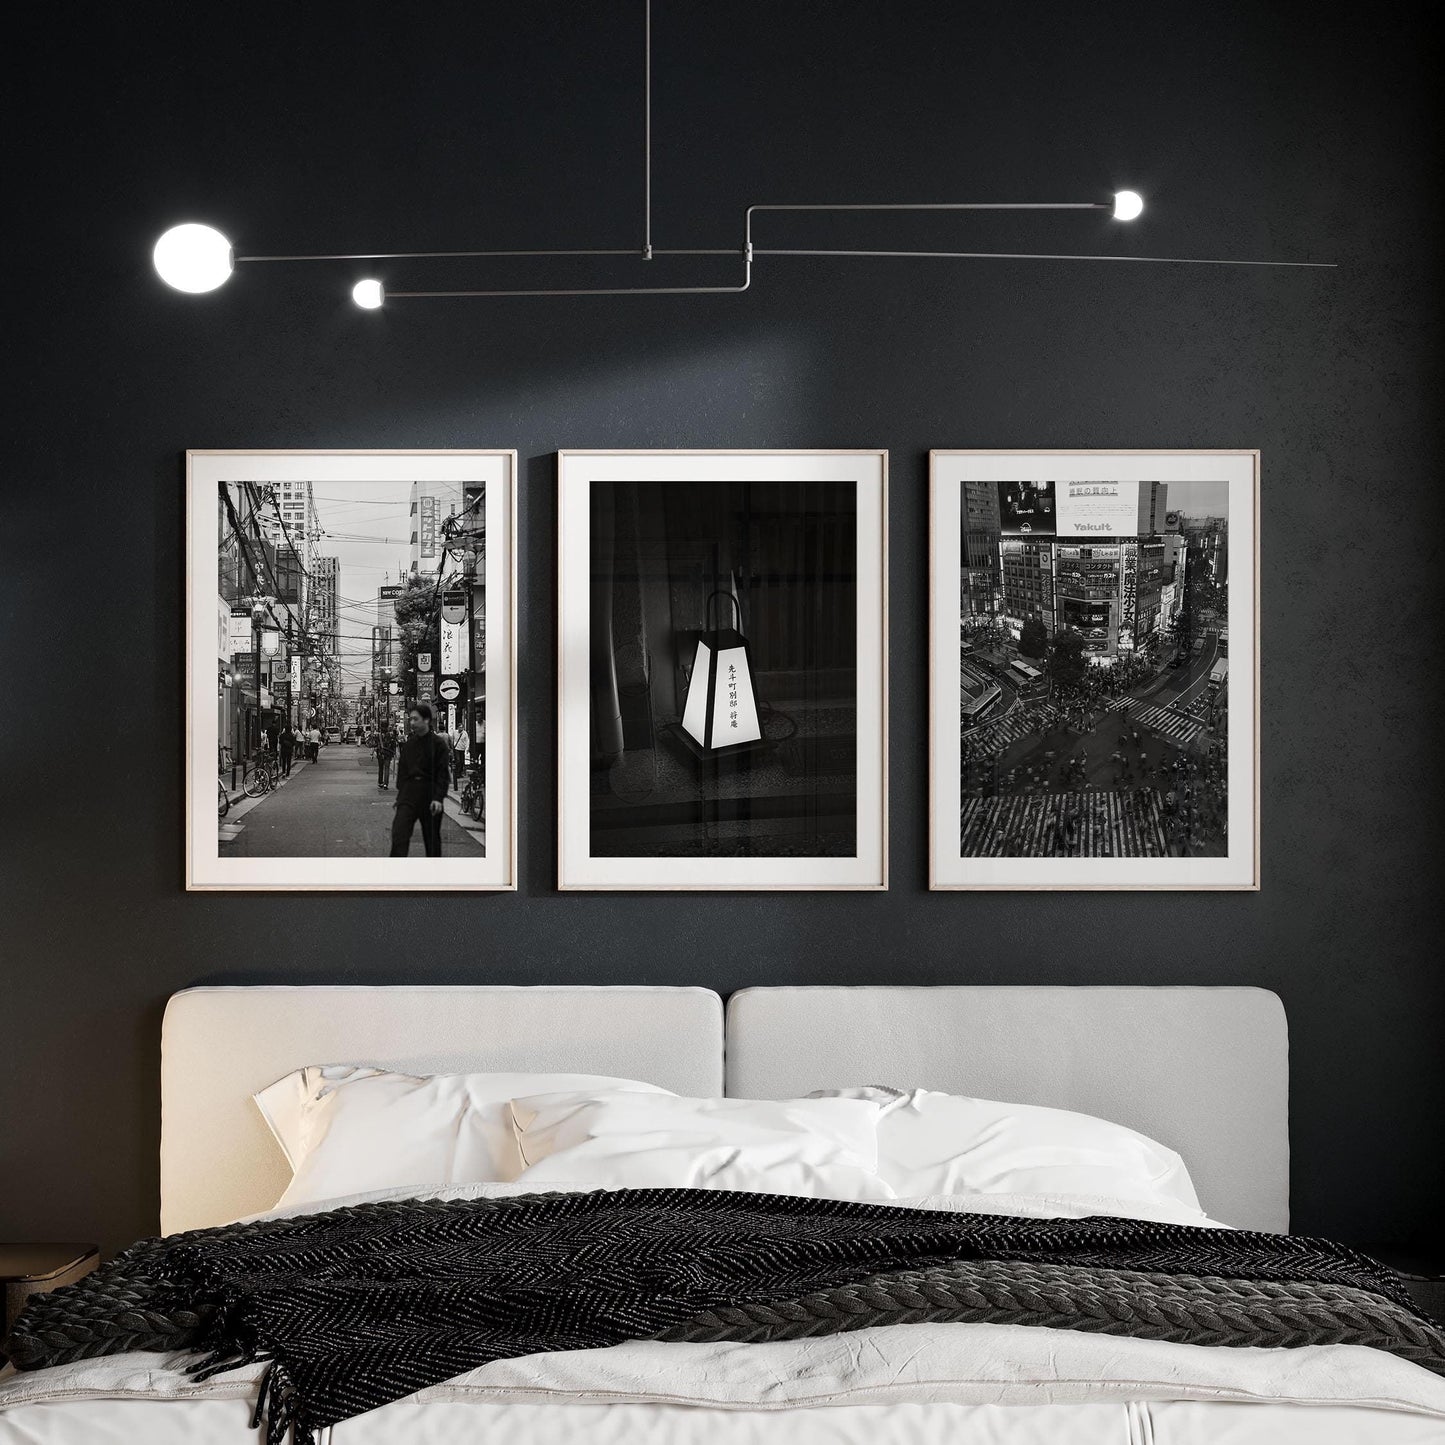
<point x="1121" y="823"/>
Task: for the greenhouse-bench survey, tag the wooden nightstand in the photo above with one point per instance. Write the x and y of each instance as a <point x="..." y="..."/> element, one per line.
<point x="27" y="1269"/>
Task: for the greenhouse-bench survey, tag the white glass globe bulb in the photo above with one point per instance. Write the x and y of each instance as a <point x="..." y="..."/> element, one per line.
<point x="193" y="258"/>
<point x="368" y="294"/>
<point x="1127" y="205"/>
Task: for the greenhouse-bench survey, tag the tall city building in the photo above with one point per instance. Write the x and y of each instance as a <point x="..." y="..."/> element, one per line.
<point x="292" y="528"/>
<point x="1176" y="557"/>
<point x="980" y="527"/>
<point x="325" y="598"/>
<point x="1026" y="569"/>
<point x="1209" y="539"/>
<point x="384" y="651"/>
<point x="1153" y="508"/>
<point x="323" y="619"/>
<point x="296" y="507"/>
<point x="1114" y="591"/>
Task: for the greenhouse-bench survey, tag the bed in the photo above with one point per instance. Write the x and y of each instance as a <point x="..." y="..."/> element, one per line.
<point x="1201" y="1070"/>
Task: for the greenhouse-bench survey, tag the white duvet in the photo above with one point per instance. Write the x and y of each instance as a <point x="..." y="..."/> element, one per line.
<point x="965" y="1384"/>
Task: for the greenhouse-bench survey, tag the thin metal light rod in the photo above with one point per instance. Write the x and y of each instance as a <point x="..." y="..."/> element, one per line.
<point x="1043" y="256"/>
<point x="647" y="139"/>
<point x="945" y="206"/>
<point x="443" y="255"/>
<point x="599" y="291"/>
<point x="713" y="251"/>
<point x="432" y="255"/>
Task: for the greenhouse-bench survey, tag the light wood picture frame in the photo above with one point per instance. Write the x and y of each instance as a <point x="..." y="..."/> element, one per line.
<point x="723" y="669"/>
<point x="327" y="590"/>
<point x="1094" y="669"/>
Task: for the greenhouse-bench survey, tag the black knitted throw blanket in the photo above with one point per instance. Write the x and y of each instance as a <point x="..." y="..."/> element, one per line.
<point x="360" y="1306"/>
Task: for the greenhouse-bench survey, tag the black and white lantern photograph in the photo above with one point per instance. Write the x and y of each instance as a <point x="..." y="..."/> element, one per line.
<point x="1093" y="659"/>
<point x="722" y="669"/>
<point x="360" y="725"/>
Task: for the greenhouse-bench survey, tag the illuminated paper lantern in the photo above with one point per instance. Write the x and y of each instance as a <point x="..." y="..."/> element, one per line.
<point x="721" y="710"/>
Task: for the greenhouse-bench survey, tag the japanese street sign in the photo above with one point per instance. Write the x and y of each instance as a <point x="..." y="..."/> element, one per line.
<point x="240" y="631"/>
<point x="453" y="648"/>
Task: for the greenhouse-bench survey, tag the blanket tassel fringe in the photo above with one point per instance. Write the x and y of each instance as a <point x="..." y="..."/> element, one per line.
<point x="277" y="1410"/>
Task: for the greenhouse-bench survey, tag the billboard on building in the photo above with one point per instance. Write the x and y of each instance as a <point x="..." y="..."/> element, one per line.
<point x="427" y="527"/>
<point x="1026" y="509"/>
<point x="1075" y="509"/>
<point x="240" y="630"/>
<point x="1098" y="509"/>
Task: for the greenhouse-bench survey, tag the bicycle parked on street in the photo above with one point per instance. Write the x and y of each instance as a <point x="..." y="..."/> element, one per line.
<point x="262" y="773"/>
<point x="474" y="794"/>
<point x="224" y="764"/>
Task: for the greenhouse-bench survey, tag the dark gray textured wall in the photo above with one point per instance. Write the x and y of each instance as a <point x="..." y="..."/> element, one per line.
<point x="1252" y="135"/>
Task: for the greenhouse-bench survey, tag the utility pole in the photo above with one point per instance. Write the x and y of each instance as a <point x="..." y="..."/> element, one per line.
<point x="257" y="613"/>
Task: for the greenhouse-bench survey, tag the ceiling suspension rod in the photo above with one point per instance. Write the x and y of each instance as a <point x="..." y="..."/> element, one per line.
<point x="647" y="136"/>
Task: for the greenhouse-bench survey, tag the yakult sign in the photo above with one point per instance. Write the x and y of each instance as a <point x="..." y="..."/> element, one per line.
<point x="1098" y="509"/>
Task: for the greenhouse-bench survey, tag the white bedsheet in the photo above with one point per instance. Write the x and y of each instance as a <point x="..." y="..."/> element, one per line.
<point x="964" y="1384"/>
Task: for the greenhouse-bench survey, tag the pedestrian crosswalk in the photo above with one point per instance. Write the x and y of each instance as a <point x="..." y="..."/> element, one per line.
<point x="992" y="739"/>
<point x="1121" y="823"/>
<point x="1177" y="726"/>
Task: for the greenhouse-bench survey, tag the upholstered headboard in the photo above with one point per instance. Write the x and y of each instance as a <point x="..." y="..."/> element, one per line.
<point x="220" y="1045"/>
<point x="1203" y="1070"/>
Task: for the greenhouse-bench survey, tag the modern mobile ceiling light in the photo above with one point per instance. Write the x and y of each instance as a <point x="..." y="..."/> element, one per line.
<point x="199" y="258"/>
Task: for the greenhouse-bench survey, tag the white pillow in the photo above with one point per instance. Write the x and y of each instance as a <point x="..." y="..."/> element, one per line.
<point x="350" y="1129"/>
<point x="820" y="1148"/>
<point x="932" y="1143"/>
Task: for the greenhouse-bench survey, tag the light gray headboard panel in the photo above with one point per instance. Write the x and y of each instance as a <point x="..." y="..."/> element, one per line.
<point x="1203" y="1070"/>
<point x="220" y="1045"/>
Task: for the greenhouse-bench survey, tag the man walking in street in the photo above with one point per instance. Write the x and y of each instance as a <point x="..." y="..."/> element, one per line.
<point x="288" y="749"/>
<point x="423" y="775"/>
<point x="385" y="752"/>
<point x="458" y="741"/>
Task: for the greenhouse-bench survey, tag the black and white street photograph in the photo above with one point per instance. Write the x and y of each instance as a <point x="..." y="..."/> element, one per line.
<point x="723" y="669"/>
<point x="1095" y="669"/>
<point x="351" y="678"/>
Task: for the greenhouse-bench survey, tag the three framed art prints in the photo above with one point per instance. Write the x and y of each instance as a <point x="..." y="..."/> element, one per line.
<point x="722" y="670"/>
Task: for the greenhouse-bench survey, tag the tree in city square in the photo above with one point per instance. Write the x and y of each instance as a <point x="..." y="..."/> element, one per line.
<point x="1034" y="638"/>
<point x="1066" y="660"/>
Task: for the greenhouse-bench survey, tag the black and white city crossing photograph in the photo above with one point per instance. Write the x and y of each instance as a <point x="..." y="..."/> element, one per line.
<point x="1096" y="663"/>
<point x="353" y="698"/>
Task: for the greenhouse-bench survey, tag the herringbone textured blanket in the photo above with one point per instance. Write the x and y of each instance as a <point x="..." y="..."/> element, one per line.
<point x="358" y="1307"/>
